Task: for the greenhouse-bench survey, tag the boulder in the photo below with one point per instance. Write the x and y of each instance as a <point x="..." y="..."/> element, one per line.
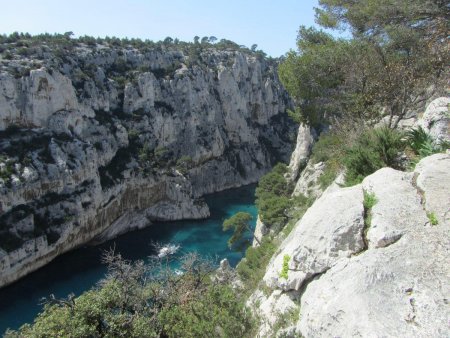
<point x="436" y="119"/>
<point x="330" y="230"/>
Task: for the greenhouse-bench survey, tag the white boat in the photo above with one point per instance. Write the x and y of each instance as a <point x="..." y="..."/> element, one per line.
<point x="168" y="250"/>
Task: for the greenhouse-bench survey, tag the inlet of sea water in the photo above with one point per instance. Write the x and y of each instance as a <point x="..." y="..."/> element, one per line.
<point x="81" y="269"/>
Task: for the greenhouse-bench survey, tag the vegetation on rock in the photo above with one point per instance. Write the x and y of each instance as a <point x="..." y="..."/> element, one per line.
<point x="272" y="197"/>
<point x="240" y="223"/>
<point x="138" y="300"/>
<point x="285" y="268"/>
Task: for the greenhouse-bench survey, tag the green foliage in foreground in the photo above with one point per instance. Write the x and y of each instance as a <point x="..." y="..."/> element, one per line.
<point x="272" y="197"/>
<point x="132" y="302"/>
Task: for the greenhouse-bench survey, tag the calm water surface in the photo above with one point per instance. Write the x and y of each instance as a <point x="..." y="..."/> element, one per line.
<point x="81" y="269"/>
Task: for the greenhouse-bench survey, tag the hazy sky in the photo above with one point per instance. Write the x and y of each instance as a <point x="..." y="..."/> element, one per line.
<point x="271" y="24"/>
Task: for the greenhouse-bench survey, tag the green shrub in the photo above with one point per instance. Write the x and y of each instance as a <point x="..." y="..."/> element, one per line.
<point x="295" y="115"/>
<point x="328" y="147"/>
<point x="145" y="153"/>
<point x="251" y="269"/>
<point x="332" y="168"/>
<point x="273" y="209"/>
<point x="285" y="267"/>
<point x="423" y="144"/>
<point x="373" y="150"/>
<point x="272" y="197"/>
<point x="432" y="218"/>
<point x="160" y="152"/>
<point x="133" y="135"/>
<point x="369" y="201"/>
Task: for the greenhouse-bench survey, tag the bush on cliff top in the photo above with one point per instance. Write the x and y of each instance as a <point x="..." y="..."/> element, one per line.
<point x="373" y="150"/>
<point x="359" y="155"/>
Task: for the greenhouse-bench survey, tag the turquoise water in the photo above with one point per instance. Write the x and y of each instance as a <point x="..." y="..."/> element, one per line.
<point x="81" y="269"/>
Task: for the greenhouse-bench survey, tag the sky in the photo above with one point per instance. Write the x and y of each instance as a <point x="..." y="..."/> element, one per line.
<point x="270" y="24"/>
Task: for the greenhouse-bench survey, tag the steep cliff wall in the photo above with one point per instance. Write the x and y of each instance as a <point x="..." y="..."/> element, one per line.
<point x="98" y="140"/>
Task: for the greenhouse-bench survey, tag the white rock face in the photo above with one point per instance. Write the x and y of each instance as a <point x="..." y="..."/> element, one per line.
<point x="260" y="231"/>
<point x="92" y="143"/>
<point x="436" y="119"/>
<point x="397" y="291"/>
<point x="391" y="219"/>
<point x="299" y="158"/>
<point x="432" y="177"/>
<point x="330" y="230"/>
<point x="273" y="308"/>
<point x="389" y="278"/>
<point x="308" y="184"/>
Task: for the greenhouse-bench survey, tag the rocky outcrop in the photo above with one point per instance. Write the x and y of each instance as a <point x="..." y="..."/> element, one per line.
<point x="260" y="231"/>
<point x="299" y="158"/>
<point x="103" y="139"/>
<point x="436" y="119"/>
<point x="322" y="245"/>
<point x="308" y="182"/>
<point x="375" y="269"/>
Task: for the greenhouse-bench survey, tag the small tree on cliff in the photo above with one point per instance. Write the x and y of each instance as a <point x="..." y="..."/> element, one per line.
<point x="240" y="223"/>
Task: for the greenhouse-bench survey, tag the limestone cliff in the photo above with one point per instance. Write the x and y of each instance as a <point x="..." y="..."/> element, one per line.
<point x="360" y="269"/>
<point x="99" y="139"/>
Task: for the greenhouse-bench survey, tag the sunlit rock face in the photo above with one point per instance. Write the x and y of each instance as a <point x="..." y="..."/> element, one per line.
<point x="100" y="140"/>
<point x="359" y="272"/>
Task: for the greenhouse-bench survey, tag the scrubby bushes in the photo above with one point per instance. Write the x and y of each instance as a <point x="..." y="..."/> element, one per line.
<point x="422" y="144"/>
<point x="272" y="197"/>
<point x="363" y="153"/>
<point x="374" y="149"/>
<point x="134" y="301"/>
<point x="252" y="268"/>
<point x="359" y="155"/>
<point x="329" y="149"/>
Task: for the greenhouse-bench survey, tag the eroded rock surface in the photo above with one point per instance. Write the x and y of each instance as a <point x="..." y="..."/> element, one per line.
<point x="436" y="119"/>
<point x="387" y="275"/>
<point x="102" y="139"/>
